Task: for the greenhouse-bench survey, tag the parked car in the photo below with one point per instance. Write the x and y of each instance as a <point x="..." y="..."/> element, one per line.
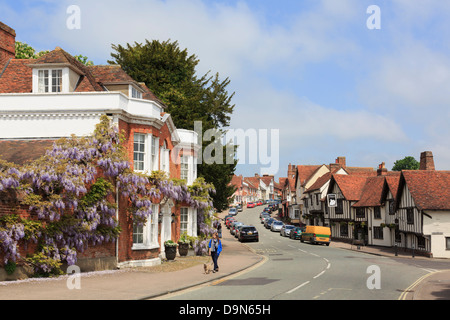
<point x="286" y="230"/>
<point x="316" y="235"/>
<point x="268" y="222"/>
<point x="259" y="203"/>
<point x="229" y="221"/>
<point x="251" y="205"/>
<point x="239" y="208"/>
<point x="295" y="233"/>
<point x="248" y="233"/>
<point x="234" y="227"/>
<point x="233" y="211"/>
<point x="276" y="226"/>
<point x="238" y="230"/>
<point x="264" y="217"/>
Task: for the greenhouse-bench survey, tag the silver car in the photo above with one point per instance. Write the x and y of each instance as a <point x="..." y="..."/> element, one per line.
<point x="286" y="230"/>
<point x="276" y="226"/>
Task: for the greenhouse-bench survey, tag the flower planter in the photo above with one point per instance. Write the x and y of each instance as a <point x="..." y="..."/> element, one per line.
<point x="171" y="252"/>
<point x="183" y="249"/>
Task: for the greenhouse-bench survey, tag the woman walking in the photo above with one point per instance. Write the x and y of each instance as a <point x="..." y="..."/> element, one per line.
<point x="215" y="248"/>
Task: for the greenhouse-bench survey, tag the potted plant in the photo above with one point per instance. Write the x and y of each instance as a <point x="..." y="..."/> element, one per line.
<point x="183" y="246"/>
<point x="170" y="249"/>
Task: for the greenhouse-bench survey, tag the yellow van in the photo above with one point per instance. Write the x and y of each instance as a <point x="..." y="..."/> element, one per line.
<point x="316" y="235"/>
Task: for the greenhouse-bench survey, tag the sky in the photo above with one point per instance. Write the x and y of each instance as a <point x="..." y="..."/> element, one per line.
<point x="308" y="75"/>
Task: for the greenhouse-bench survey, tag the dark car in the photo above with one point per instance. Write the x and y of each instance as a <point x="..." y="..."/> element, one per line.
<point x="268" y="222"/>
<point x="248" y="233"/>
<point x="295" y="233"/>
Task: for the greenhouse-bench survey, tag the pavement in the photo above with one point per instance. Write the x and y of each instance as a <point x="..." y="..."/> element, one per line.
<point x="236" y="258"/>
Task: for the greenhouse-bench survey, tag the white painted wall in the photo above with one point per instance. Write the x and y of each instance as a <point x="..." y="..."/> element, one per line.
<point x="25" y="115"/>
<point x="438" y="228"/>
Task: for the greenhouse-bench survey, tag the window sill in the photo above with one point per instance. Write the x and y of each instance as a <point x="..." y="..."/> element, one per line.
<point x="145" y="246"/>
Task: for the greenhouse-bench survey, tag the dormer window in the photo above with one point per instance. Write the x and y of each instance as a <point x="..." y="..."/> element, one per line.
<point x="50" y="80"/>
<point x="135" y="93"/>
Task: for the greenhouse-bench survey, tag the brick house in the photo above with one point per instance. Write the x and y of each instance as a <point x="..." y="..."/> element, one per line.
<point x="42" y="100"/>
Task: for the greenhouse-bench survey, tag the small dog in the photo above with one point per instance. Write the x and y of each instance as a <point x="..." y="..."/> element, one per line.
<point x="208" y="268"/>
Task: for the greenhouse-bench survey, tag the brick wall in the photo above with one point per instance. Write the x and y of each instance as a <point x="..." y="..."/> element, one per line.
<point x="7" y="44"/>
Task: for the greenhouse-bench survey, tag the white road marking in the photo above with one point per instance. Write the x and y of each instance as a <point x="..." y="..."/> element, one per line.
<point x="319" y="274"/>
<point x="298" y="287"/>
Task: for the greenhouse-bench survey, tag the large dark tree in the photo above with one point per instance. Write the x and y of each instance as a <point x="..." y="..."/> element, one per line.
<point x="171" y="75"/>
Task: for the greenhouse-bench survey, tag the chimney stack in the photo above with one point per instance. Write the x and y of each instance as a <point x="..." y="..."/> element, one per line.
<point x="292" y="170"/>
<point x="341" y="161"/>
<point x="382" y="171"/>
<point x="7" y="44"/>
<point x="426" y="161"/>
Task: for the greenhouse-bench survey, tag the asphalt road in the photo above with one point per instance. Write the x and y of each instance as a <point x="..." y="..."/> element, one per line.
<point x="301" y="271"/>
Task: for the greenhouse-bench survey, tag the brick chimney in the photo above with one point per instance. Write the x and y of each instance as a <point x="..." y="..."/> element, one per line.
<point x="382" y="170"/>
<point x="7" y="44"/>
<point x="339" y="163"/>
<point x="292" y="170"/>
<point x="426" y="161"/>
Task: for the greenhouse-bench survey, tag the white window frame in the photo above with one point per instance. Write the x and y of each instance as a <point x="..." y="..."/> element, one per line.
<point x="134" y="92"/>
<point x="154" y="153"/>
<point x="164" y="158"/>
<point x="149" y="232"/>
<point x="184" y="168"/>
<point x="151" y="154"/>
<point x="184" y="220"/>
<point x="144" y="143"/>
<point x="40" y="88"/>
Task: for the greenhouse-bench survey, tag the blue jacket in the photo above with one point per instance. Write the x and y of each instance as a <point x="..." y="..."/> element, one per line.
<point x="219" y="247"/>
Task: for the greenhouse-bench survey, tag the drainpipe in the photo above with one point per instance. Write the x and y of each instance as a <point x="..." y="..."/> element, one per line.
<point x="117" y="219"/>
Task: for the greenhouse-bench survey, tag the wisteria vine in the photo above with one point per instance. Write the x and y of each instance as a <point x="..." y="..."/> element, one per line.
<point x="71" y="191"/>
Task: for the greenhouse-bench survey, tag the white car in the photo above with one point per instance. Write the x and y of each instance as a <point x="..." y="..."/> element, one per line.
<point x="276" y="226"/>
<point x="233" y="211"/>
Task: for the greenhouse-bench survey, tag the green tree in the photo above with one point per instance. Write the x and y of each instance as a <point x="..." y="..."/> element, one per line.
<point x="407" y="163"/>
<point x="171" y="75"/>
<point x="25" y="51"/>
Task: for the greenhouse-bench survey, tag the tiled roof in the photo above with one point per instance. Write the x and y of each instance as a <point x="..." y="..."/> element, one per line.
<point x="372" y="192"/>
<point x="429" y="189"/>
<point x="16" y="77"/>
<point x="304" y="172"/>
<point x="17" y="74"/>
<point x="319" y="182"/>
<point x="254" y="181"/>
<point x="236" y="181"/>
<point x="351" y="186"/>
<point x="21" y="151"/>
<point x="392" y="180"/>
